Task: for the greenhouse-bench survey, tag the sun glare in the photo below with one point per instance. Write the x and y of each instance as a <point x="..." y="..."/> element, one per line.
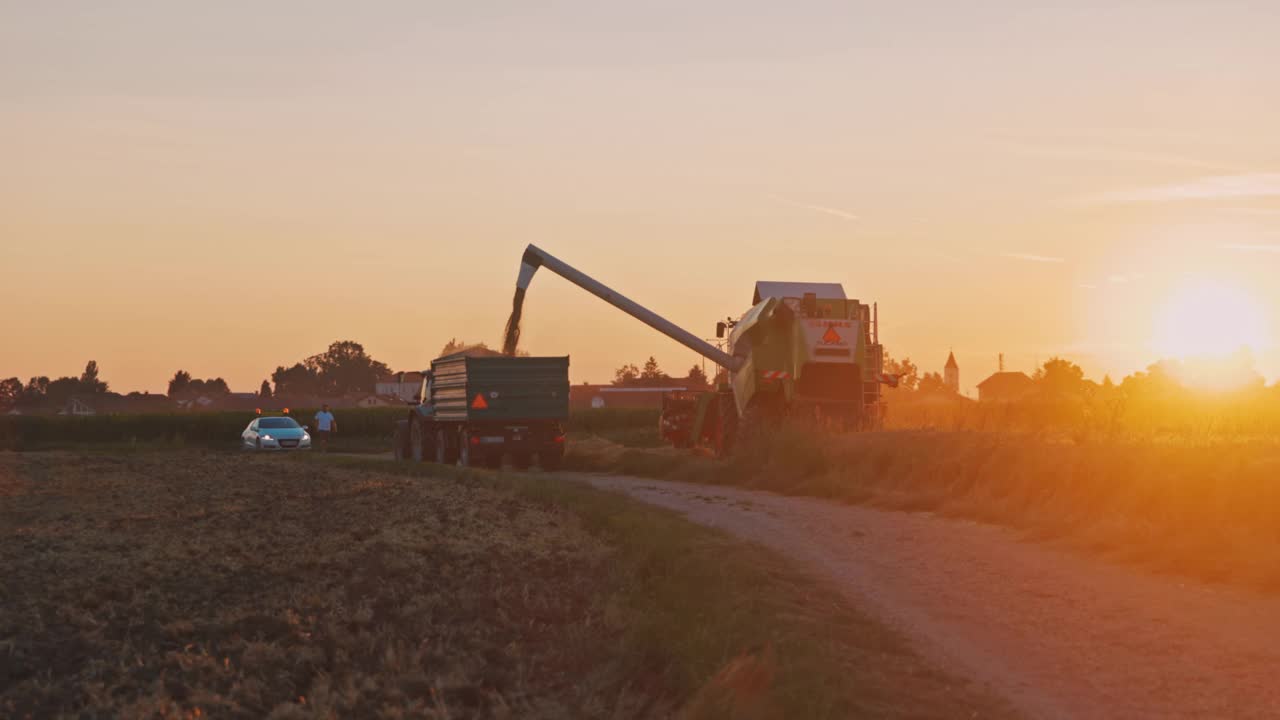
<point x="1208" y="319"/>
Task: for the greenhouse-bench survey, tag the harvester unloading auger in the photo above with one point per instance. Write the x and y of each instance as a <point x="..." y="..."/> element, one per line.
<point x="802" y="350"/>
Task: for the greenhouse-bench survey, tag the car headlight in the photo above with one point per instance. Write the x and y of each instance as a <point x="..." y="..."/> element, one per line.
<point x="267" y="437"/>
<point x="306" y="437"/>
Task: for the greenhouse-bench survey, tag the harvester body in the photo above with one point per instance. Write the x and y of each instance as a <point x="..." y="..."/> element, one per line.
<point x="808" y="349"/>
<point x="802" y="349"/>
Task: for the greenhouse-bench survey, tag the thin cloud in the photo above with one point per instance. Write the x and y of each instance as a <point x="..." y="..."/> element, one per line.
<point x="1028" y="257"/>
<point x="1251" y="248"/>
<point x="835" y="212"/>
<point x="1249" y="185"/>
<point x="1087" y="286"/>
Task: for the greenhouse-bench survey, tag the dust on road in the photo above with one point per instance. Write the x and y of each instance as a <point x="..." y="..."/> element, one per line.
<point x="1058" y="634"/>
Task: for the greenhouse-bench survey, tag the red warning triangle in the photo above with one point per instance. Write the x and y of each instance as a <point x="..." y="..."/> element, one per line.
<point x="479" y="403"/>
<point x="831" y="337"/>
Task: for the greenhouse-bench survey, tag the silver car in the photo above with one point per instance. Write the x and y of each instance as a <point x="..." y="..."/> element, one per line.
<point x="275" y="433"/>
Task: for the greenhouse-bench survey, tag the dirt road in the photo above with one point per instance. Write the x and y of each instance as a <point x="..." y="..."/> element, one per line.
<point x="1058" y="634"/>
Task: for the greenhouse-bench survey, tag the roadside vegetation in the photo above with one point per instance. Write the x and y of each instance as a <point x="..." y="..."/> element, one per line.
<point x="1204" y="509"/>
<point x="196" y="584"/>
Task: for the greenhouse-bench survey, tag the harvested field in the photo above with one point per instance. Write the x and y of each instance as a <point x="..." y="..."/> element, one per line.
<point x="189" y="584"/>
<point x="241" y="586"/>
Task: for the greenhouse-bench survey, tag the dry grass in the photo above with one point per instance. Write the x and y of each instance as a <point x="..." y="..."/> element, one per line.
<point x="141" y="585"/>
<point x="199" y="584"/>
<point x="1206" y="510"/>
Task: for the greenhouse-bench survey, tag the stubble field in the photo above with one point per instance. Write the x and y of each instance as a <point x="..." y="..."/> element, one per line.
<point x="232" y="586"/>
<point x="203" y="584"/>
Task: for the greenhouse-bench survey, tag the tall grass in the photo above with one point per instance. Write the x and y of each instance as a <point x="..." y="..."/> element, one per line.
<point x="1115" y="416"/>
<point x="1207" y="508"/>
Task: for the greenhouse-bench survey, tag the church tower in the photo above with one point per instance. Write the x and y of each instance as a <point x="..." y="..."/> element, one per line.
<point x="951" y="374"/>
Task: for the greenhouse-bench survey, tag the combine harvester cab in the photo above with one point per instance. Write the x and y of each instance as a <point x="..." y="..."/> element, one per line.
<point x="811" y="353"/>
<point x="802" y="350"/>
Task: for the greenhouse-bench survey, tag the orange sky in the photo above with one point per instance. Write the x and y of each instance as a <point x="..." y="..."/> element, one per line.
<point x="228" y="188"/>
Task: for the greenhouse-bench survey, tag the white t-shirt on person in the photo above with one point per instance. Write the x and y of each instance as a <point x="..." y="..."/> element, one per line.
<point x="324" y="421"/>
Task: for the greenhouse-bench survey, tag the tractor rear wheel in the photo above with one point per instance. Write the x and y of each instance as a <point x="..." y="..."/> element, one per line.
<point x="419" y="448"/>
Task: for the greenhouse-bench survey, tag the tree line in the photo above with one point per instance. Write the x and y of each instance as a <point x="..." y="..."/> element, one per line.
<point x="650" y="375"/>
<point x="41" y="391"/>
<point x="1200" y="396"/>
<point x="344" y="367"/>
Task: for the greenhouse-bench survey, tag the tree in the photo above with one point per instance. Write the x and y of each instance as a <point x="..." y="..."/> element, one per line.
<point x="89" y="382"/>
<point x="932" y="383"/>
<point x="10" y="392"/>
<point x="626" y="375"/>
<point x="295" y="381"/>
<point x="651" y="371"/>
<point x="60" y="391"/>
<point x="33" y="395"/>
<point x="183" y="386"/>
<point x="697" y="376"/>
<point x="178" y="384"/>
<point x="1061" y="376"/>
<point x="345" y="367"/>
<point x="907" y="372"/>
<point x="264" y="392"/>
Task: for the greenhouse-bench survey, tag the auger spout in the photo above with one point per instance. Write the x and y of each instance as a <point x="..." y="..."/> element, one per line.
<point x="535" y="257"/>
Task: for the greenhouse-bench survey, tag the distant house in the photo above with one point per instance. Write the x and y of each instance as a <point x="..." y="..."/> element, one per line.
<point x="370" y="400"/>
<point x="78" y="406"/>
<point x="1005" y="387"/>
<point x="201" y="402"/>
<point x="403" y="386"/>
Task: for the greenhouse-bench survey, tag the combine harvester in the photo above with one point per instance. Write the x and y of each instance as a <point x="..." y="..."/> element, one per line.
<point x="803" y="350"/>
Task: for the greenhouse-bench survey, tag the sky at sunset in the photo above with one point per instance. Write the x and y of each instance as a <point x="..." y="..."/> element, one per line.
<point x="227" y="187"/>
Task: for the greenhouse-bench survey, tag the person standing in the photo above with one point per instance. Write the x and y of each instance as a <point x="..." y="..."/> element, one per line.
<point x="326" y="425"/>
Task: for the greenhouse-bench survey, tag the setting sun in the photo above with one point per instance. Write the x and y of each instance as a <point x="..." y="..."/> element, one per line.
<point x="1210" y="319"/>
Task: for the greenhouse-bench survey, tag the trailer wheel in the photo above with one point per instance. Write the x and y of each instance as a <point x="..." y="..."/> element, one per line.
<point x="444" y="453"/>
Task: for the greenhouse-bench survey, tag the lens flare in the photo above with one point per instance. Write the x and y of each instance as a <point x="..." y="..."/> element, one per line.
<point x="1210" y="321"/>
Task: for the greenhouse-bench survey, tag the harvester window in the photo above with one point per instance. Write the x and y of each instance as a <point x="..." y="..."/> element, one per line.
<point x="809" y="305"/>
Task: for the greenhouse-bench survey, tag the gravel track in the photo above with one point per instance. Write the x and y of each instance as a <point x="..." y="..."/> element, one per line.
<point x="1058" y="634"/>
